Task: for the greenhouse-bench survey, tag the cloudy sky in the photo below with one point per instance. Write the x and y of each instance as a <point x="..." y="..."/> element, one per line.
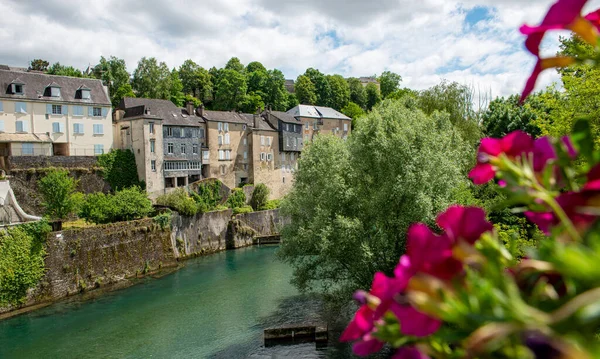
<point x="474" y="42"/>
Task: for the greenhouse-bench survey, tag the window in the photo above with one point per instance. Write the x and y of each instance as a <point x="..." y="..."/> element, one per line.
<point x="20" y="107"/>
<point x="169" y="131"/>
<point x="283" y="157"/>
<point x="152" y="146"/>
<point x="151" y="127"/>
<point x="227" y="139"/>
<point x="297" y="142"/>
<point x="227" y="155"/>
<point x="78" y="128"/>
<point x="226" y="127"/>
<point x="222" y="170"/>
<point x="183" y="150"/>
<point x="58" y="127"/>
<point x="1" y="107"/>
<point x="245" y="141"/>
<point x="268" y="141"/>
<point x="315" y="126"/>
<point x="221" y="155"/>
<point x="262" y="156"/>
<point x="56" y="109"/>
<point x="245" y="155"/>
<point x="220" y="138"/>
<point x="86" y="94"/>
<point x="292" y="157"/>
<point x="195" y="149"/>
<point x="97" y="112"/>
<point x="269" y="157"/>
<point x="288" y="141"/>
<point x="17" y="89"/>
<point x="22" y="126"/>
<point x="201" y="133"/>
<point x="307" y="125"/>
<point x="27" y="149"/>
<point x="243" y="127"/>
<point x="98" y="129"/>
<point x="205" y="155"/>
<point x="182" y="132"/>
<point x="77" y="110"/>
<point x="1" y="125"/>
<point x="262" y="140"/>
<point x="194" y="132"/>
<point x="153" y="165"/>
<point x="345" y="127"/>
<point x="220" y="126"/>
<point x="245" y="167"/>
<point x="55" y="91"/>
<point x="283" y="179"/>
<point x="170" y="148"/>
<point x="98" y="149"/>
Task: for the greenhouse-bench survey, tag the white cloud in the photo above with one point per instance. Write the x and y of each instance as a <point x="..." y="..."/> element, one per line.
<point x="424" y="41"/>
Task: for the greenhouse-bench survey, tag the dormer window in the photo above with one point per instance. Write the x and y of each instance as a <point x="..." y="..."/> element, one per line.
<point x="55" y="91"/>
<point x="86" y="94"/>
<point x="17" y="89"/>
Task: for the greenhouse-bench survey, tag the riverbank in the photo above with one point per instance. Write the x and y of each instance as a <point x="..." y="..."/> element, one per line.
<point x="108" y="257"/>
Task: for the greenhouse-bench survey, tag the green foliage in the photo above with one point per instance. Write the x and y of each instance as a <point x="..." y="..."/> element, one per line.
<point x="243" y="209"/>
<point x="260" y="196"/>
<point x="373" y="95"/>
<point x="57" y="189"/>
<point x="209" y="193"/>
<point x="163" y="219"/>
<point x="389" y="82"/>
<point x="506" y="115"/>
<point x="353" y="111"/>
<point x="124" y="91"/>
<point x="176" y="89"/>
<point x="196" y="80"/>
<point x="113" y="73"/>
<point x="21" y="260"/>
<point x="60" y="70"/>
<point x="353" y="200"/>
<point x="235" y="64"/>
<point x="322" y="86"/>
<point x="292" y="101"/>
<point x="231" y="90"/>
<point x="119" y="169"/>
<point x="39" y="65"/>
<point x="340" y="92"/>
<point x="271" y="204"/>
<point x="358" y="94"/>
<point x="152" y="79"/>
<point x="252" y="103"/>
<point x="180" y="201"/>
<point x="237" y="198"/>
<point x="305" y="91"/>
<point x="125" y="205"/>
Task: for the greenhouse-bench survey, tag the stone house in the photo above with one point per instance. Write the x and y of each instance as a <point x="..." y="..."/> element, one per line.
<point x="321" y="120"/>
<point x="48" y="115"/>
<point x="168" y="142"/>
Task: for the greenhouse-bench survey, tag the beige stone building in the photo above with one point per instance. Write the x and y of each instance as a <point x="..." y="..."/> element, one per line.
<point x="47" y="115"/>
<point x="321" y="120"/>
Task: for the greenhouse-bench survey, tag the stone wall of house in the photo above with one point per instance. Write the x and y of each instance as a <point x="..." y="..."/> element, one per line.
<point x="25" y="162"/>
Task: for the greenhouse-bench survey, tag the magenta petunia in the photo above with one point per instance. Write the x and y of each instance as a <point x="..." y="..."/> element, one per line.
<point x="540" y="66"/>
<point x="430" y="253"/>
<point x="544" y="220"/>
<point x="566" y="140"/>
<point x="413" y="322"/>
<point x="543" y="152"/>
<point x="466" y="223"/>
<point x="409" y="353"/>
<point x="594" y="19"/>
<point x="367" y="346"/>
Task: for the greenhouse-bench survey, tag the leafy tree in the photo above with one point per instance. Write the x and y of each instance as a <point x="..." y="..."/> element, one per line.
<point x="340" y="91"/>
<point x="373" y="95"/>
<point x="125" y="205"/>
<point x="119" y="169"/>
<point x="39" y="65"/>
<point x="152" y="79"/>
<point x="57" y="189"/>
<point x="322" y="87"/>
<point x="305" y="91"/>
<point x="260" y="197"/>
<point x="180" y="201"/>
<point x="274" y="91"/>
<point x="389" y="82"/>
<point x="353" y="111"/>
<point x="292" y="101"/>
<point x="235" y="64"/>
<point x="60" y="70"/>
<point x="400" y="93"/>
<point x="231" y="90"/>
<point x="176" y="89"/>
<point x="215" y="77"/>
<point x="252" y="103"/>
<point x="358" y="94"/>
<point x="256" y="75"/>
<point x="505" y="115"/>
<point x="113" y="73"/>
<point x="236" y="199"/>
<point x="353" y="201"/>
<point x="196" y="80"/>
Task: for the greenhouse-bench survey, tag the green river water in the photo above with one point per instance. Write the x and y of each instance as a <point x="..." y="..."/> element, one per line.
<point x="215" y="307"/>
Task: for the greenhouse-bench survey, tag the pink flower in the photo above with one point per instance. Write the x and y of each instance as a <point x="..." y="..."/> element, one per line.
<point x="593" y="179"/>
<point x="512" y="145"/>
<point x="409" y="353"/>
<point x="467" y="223"/>
<point x="594" y="19"/>
<point x="367" y="346"/>
<point x="413" y="322"/>
<point x="540" y="66"/>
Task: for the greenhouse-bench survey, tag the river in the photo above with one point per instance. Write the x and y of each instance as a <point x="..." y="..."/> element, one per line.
<point x="215" y="307"/>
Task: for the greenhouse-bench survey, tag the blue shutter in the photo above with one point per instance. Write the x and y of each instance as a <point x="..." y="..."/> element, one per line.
<point x="48" y="109"/>
<point x="1" y="125"/>
<point x="1" y="107"/>
<point x="19" y="126"/>
<point x="75" y="128"/>
<point x="61" y="127"/>
<point x="55" y="127"/>
<point x="104" y="111"/>
<point x="65" y="110"/>
<point x="90" y="111"/>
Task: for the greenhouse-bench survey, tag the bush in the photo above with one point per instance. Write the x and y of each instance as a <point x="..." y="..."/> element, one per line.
<point x="209" y="193"/>
<point x="260" y="196"/>
<point x="57" y="189"/>
<point x="163" y="219"/>
<point x="180" y="201"/>
<point x="271" y="204"/>
<point x="221" y="208"/>
<point x="237" y="198"/>
<point x="119" y="169"/>
<point x="244" y="209"/>
<point x="125" y="205"/>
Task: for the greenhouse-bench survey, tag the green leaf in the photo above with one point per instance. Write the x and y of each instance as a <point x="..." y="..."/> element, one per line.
<point x="583" y="140"/>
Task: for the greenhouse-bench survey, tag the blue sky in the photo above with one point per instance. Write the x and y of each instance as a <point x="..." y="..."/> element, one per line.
<point x="474" y="42"/>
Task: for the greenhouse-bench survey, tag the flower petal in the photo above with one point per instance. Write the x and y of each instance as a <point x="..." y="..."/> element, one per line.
<point x="409" y="353"/>
<point x="413" y="322"/>
<point x="367" y="346"/>
<point x="482" y="173"/>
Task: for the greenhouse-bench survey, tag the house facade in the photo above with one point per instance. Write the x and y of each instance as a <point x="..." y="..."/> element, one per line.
<point x="47" y="115"/>
<point x="321" y="120"/>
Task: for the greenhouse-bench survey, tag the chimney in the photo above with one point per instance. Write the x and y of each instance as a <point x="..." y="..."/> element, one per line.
<point x="256" y="119"/>
<point x="190" y="108"/>
<point x="200" y="110"/>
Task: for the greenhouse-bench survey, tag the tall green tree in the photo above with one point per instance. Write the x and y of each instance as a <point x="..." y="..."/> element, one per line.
<point x="152" y="79"/>
<point x="113" y="73"/>
<point x="322" y="87"/>
<point x="353" y="111"/>
<point x="505" y="115"/>
<point x="176" y="89"/>
<point x="57" y="189"/>
<point x="340" y="91"/>
<point x="358" y="94"/>
<point x="274" y="91"/>
<point x="60" y="70"/>
<point x="235" y="64"/>
<point x="389" y="82"/>
<point x="305" y="91"/>
<point x="256" y="75"/>
<point x="231" y="90"/>
<point x="373" y="95"/>
<point x="39" y="65"/>
<point x="292" y="101"/>
<point x="196" y="80"/>
<point x="353" y="201"/>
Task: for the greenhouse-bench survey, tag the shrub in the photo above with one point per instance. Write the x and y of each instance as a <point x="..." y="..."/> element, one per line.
<point x="119" y="169"/>
<point x="221" y="208"/>
<point x="57" y="189"/>
<point x="210" y="193"/>
<point x="163" y="219"/>
<point x="271" y="204"/>
<point x="125" y="205"/>
<point x="244" y="209"/>
<point x="180" y="201"/>
<point x="260" y="196"/>
<point x="237" y="198"/>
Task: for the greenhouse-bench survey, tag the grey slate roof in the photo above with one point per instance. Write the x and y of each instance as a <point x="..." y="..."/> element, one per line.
<point x="317" y="112"/>
<point x="163" y="109"/>
<point x="263" y="125"/>
<point x="224" y="116"/>
<point x="35" y="85"/>
<point x="284" y="116"/>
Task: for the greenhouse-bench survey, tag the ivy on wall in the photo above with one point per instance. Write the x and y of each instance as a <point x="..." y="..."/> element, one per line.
<point x="120" y="170"/>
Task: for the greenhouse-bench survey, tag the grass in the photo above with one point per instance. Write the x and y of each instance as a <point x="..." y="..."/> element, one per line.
<point x="78" y="224"/>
